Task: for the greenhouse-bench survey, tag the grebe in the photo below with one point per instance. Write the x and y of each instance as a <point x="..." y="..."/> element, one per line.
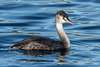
<point x="43" y="43"/>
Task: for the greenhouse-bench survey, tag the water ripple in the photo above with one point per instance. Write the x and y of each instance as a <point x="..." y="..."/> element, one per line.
<point x="20" y="19"/>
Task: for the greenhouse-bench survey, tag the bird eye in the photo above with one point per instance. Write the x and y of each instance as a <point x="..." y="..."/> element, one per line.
<point x="63" y="15"/>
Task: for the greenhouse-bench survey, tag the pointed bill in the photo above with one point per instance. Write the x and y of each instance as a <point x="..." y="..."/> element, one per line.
<point x="70" y="22"/>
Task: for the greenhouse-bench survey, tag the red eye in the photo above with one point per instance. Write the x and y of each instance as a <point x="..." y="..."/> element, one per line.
<point x="63" y="15"/>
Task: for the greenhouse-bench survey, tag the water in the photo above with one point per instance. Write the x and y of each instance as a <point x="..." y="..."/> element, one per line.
<point x="25" y="18"/>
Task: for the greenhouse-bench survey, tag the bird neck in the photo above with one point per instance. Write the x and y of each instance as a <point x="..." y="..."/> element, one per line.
<point x="63" y="37"/>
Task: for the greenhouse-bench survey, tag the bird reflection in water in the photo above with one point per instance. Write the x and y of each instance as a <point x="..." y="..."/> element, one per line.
<point x="60" y="55"/>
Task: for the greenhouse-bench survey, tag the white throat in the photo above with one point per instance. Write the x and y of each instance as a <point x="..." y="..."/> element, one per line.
<point x="62" y="35"/>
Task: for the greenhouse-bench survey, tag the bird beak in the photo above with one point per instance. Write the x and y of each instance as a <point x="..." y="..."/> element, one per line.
<point x="69" y="22"/>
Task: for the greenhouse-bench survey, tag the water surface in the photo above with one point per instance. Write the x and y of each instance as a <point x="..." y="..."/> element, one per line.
<point x="25" y="18"/>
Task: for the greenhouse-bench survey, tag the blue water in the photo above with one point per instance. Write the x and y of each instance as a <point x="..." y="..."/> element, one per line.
<point x="25" y="18"/>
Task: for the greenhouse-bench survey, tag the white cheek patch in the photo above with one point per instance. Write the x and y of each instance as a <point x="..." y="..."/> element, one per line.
<point x="62" y="20"/>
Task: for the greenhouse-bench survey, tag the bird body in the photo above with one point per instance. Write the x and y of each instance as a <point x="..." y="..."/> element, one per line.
<point x="43" y="43"/>
<point x="40" y="43"/>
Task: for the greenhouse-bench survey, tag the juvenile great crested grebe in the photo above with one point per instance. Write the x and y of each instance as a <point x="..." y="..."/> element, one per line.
<point x="43" y="43"/>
